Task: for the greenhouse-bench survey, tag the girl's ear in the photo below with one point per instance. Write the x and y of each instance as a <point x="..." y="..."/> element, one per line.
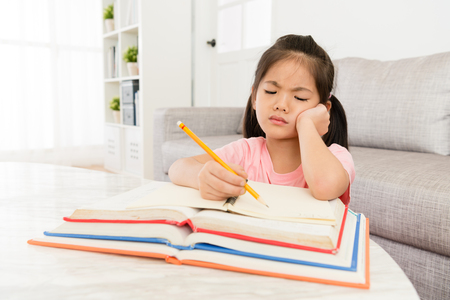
<point x="328" y="105"/>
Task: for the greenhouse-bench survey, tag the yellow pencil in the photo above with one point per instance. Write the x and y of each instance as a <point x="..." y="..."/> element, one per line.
<point x="217" y="158"/>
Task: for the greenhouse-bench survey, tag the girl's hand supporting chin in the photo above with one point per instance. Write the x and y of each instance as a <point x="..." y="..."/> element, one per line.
<point x="318" y="115"/>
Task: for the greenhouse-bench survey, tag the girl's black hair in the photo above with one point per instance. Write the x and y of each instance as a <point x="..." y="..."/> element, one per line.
<point x="307" y="51"/>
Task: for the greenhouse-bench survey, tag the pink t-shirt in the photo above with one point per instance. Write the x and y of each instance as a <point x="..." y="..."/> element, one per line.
<point x="252" y="154"/>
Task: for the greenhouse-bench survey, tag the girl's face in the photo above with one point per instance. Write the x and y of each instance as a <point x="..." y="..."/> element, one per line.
<point x="287" y="90"/>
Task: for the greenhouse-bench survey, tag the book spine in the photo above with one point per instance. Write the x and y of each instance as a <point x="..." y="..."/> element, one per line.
<point x="113" y="62"/>
<point x="341" y="231"/>
<point x="108" y="63"/>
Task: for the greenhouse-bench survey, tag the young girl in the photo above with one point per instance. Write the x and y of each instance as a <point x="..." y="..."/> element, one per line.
<point x="295" y="131"/>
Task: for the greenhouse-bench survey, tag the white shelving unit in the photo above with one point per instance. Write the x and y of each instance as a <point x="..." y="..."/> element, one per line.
<point x="162" y="33"/>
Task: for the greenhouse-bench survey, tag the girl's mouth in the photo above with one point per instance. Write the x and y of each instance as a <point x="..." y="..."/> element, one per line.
<point x="277" y="120"/>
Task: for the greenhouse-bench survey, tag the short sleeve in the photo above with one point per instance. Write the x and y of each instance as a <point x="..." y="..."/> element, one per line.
<point x="232" y="152"/>
<point x="346" y="159"/>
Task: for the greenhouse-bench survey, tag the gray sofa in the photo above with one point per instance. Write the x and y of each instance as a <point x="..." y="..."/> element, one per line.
<point x="399" y="133"/>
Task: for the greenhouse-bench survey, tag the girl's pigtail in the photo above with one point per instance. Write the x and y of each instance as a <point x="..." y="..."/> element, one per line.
<point x="337" y="131"/>
<point x="251" y="126"/>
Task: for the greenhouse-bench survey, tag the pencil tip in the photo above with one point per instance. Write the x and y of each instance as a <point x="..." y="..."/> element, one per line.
<point x="261" y="200"/>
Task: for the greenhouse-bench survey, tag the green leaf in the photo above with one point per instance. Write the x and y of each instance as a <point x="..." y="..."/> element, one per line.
<point x="108" y="12"/>
<point x="114" y="104"/>
<point x="130" y="55"/>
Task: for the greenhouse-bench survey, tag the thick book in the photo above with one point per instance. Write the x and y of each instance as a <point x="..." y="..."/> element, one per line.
<point x="222" y="258"/>
<point x="313" y="237"/>
<point x="183" y="238"/>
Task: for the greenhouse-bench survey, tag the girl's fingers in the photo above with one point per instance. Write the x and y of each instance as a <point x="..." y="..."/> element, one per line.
<point x="216" y="189"/>
<point x="319" y="116"/>
<point x="239" y="170"/>
<point x="217" y="183"/>
<point x="223" y="174"/>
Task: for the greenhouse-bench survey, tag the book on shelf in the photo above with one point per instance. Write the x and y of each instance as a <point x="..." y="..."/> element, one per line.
<point x="112" y="62"/>
<point x="109" y="61"/>
<point x="116" y="61"/>
<point x="136" y="107"/>
<point x="322" y="237"/>
<point x="347" y="268"/>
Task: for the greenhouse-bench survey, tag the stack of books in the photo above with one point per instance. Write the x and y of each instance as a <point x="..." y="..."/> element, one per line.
<point x="297" y="237"/>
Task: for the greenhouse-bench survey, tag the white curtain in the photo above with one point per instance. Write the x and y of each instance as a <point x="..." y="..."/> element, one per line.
<point x="51" y="95"/>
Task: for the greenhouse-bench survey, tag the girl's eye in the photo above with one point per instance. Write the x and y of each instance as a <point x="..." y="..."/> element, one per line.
<point x="301" y="99"/>
<point x="270" y="93"/>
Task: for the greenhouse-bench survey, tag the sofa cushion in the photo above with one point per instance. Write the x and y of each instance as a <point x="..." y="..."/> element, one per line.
<point x="405" y="195"/>
<point x="400" y="105"/>
<point x="185" y="147"/>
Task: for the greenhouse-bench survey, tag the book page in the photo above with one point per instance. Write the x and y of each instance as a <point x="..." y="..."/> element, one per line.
<point x="285" y="203"/>
<point x="120" y="202"/>
<point x="295" y="233"/>
<point x="173" y="234"/>
<point x="175" y="195"/>
<point x="342" y="258"/>
<point x="263" y="265"/>
<point x="205" y="219"/>
<point x="132" y="247"/>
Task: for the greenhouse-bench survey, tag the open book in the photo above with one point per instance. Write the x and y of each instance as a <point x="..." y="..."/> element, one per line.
<point x="314" y="237"/>
<point x="243" y="256"/>
<point x="285" y="203"/>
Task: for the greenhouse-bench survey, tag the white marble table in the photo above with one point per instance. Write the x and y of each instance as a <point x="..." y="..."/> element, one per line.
<point x="35" y="197"/>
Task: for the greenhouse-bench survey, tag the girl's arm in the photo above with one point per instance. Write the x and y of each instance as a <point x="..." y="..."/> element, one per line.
<point x="326" y="177"/>
<point x="212" y="180"/>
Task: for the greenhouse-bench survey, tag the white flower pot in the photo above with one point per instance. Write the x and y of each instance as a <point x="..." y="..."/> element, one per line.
<point x="133" y="69"/>
<point x="116" y="115"/>
<point x="109" y="24"/>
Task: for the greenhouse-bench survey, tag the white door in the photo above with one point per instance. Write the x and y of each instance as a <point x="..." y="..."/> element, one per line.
<point x="241" y="30"/>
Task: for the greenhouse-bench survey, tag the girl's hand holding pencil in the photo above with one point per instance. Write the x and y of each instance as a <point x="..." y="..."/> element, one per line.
<point x="217" y="183"/>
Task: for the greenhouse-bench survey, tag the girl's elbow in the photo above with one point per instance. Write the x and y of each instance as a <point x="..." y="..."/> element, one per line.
<point x="174" y="170"/>
<point x="326" y="189"/>
<point x="321" y="193"/>
<point x="170" y="173"/>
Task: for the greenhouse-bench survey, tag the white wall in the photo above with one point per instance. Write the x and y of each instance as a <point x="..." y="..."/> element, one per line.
<point x="382" y="29"/>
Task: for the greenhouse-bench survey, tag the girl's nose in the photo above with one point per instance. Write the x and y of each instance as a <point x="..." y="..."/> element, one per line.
<point x="281" y="105"/>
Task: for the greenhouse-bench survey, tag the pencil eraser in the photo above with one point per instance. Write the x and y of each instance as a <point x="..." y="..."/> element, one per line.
<point x="178" y="123"/>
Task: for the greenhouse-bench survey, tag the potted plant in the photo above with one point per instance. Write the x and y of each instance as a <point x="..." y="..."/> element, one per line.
<point x="114" y="104"/>
<point x="108" y="16"/>
<point x="130" y="57"/>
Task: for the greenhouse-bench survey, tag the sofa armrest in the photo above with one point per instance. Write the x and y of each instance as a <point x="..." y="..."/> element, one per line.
<point x="203" y="121"/>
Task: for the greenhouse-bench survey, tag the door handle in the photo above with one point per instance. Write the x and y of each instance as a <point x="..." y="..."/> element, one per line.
<point x="212" y="43"/>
